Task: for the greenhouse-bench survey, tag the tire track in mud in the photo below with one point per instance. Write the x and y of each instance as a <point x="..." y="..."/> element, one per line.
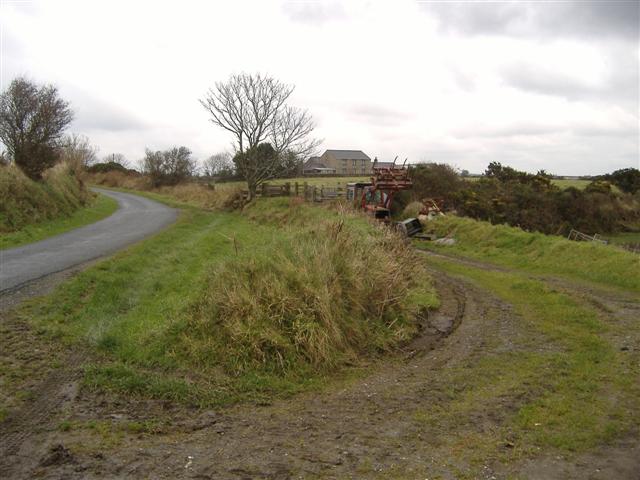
<point x="28" y="433"/>
<point x="37" y="415"/>
<point x="331" y="434"/>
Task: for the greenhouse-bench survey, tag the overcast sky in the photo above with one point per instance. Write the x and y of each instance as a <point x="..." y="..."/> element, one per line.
<point x="535" y="85"/>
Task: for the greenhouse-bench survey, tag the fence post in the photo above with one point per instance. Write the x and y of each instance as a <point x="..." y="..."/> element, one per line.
<point x="297" y="193"/>
<point x="306" y="191"/>
<point x="321" y="192"/>
<point x="288" y="188"/>
<point x="264" y="188"/>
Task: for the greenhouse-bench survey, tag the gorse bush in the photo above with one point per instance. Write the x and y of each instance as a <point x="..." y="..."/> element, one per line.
<point x="24" y="201"/>
<point x="318" y="295"/>
<point x="530" y="201"/>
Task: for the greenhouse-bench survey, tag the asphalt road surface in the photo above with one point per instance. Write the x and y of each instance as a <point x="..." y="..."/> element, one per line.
<point x="136" y="218"/>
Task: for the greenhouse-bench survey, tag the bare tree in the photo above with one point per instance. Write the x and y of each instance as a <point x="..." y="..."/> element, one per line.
<point x="291" y="132"/>
<point x="32" y="122"/>
<point x="219" y="165"/>
<point x="169" y="167"/>
<point x="78" y="150"/>
<point x="253" y="108"/>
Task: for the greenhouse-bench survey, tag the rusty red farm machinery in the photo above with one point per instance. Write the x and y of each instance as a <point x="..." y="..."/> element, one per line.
<point x="387" y="180"/>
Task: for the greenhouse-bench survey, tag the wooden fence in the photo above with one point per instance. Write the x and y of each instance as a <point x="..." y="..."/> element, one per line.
<point x="311" y="193"/>
<point x="579" y="236"/>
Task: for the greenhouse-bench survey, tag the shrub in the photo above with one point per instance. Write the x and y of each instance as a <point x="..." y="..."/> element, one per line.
<point x="435" y="180"/>
<point x="533" y="203"/>
<point x="108" y="167"/>
<point x="32" y="121"/>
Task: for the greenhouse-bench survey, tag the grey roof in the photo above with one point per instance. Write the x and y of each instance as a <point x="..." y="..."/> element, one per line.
<point x="348" y="154"/>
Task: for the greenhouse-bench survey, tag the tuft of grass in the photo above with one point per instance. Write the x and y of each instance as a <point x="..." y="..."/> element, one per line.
<point x="412" y="210"/>
<point x="315" y="295"/>
<point x="536" y="252"/>
<point x="100" y="208"/>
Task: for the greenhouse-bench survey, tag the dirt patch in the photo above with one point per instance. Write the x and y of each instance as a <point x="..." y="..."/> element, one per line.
<point x="365" y="427"/>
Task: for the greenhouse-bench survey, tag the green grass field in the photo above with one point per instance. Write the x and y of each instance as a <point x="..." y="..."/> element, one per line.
<point x="579" y="184"/>
<point x="101" y="207"/>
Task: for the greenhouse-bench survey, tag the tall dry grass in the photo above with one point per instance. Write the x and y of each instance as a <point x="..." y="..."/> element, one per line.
<point x="197" y="194"/>
<point x="325" y="290"/>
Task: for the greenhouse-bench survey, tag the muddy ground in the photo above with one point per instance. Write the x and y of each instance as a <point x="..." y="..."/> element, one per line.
<point x="364" y="428"/>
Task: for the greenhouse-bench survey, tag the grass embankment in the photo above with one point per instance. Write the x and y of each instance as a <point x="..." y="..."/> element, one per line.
<point x="100" y="208"/>
<point x="559" y="380"/>
<point x="538" y="253"/>
<point x="31" y="211"/>
<point x="227" y="306"/>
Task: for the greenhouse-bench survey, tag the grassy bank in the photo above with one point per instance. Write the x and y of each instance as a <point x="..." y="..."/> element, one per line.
<point x="536" y="252"/>
<point x="559" y="380"/>
<point x="24" y="202"/>
<point x="101" y="207"/>
<point x="223" y="307"/>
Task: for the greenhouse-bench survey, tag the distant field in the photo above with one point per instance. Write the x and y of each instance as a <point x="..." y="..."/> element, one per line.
<point x="318" y="181"/>
<point x="579" y="184"/>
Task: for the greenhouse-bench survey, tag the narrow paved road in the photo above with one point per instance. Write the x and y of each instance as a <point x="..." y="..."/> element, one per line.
<point x="137" y="218"/>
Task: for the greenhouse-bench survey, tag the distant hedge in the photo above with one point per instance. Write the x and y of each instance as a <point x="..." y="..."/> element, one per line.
<point x="110" y="167"/>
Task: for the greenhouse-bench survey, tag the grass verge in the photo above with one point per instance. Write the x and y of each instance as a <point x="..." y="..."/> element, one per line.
<point x="538" y="253"/>
<point x="100" y="208"/>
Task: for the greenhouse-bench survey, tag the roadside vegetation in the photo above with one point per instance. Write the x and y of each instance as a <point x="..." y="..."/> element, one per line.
<point x="228" y="306"/>
<point x="31" y="209"/>
<point x="536" y="252"/>
<point x="101" y="207"/>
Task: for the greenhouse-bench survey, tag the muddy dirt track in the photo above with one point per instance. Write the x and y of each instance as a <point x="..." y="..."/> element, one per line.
<point x="365" y="428"/>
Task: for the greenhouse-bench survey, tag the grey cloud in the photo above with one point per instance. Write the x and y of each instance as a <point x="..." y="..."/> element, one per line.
<point x="513" y="130"/>
<point x="622" y="85"/>
<point x="314" y="12"/>
<point x="94" y="114"/>
<point x="376" y="114"/>
<point x="594" y="19"/>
